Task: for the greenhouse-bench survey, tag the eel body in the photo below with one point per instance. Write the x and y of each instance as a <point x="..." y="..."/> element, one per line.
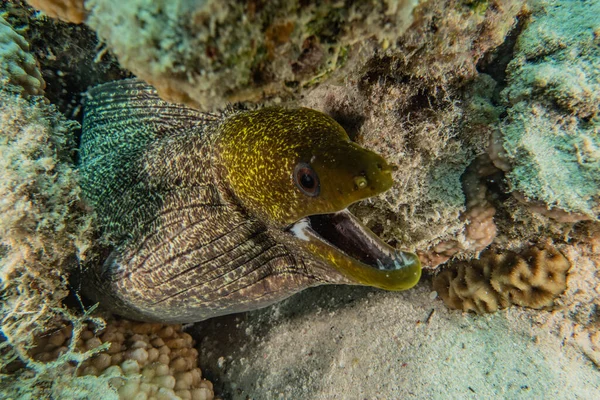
<point x="213" y="214"/>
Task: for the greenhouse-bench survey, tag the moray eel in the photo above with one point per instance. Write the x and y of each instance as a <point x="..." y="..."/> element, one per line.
<point x="214" y="214"/>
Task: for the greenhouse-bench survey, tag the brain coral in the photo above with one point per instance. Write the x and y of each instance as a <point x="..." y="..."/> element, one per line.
<point x="533" y="278"/>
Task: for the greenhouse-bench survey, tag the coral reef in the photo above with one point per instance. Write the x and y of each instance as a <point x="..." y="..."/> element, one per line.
<point x="549" y="143"/>
<point x="206" y="53"/>
<point x="576" y="320"/>
<point x="429" y="85"/>
<point x="43" y="231"/>
<point x="18" y="67"/>
<point x="413" y="93"/>
<point x="23" y="377"/>
<point x="143" y="360"/>
<point x="69" y="56"/>
<point x="532" y="278"/>
<point x="42" y="225"/>
<point x="66" y="10"/>
<point x="425" y="108"/>
<point x="480" y="229"/>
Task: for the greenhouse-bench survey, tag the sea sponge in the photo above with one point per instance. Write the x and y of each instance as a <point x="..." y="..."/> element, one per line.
<point x="144" y="360"/>
<point x="549" y="141"/>
<point x="532" y="278"/>
<point x="65" y="10"/>
<point x="18" y="67"/>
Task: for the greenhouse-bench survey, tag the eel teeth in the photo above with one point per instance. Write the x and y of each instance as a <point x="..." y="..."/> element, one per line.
<point x="400" y="261"/>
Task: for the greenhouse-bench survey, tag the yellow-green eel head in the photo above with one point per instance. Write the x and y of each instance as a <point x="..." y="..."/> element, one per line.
<point x="298" y="171"/>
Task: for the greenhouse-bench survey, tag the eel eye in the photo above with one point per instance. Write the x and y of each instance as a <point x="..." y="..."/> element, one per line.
<point x="306" y="179"/>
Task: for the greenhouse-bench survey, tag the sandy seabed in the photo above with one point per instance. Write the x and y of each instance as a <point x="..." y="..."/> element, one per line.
<point x="354" y="343"/>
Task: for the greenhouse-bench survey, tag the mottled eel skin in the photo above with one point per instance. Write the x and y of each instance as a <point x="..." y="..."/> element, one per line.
<point x="214" y="214"/>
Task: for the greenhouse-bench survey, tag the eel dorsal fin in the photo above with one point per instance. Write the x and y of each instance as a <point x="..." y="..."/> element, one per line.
<point x="136" y="146"/>
<point x="114" y="108"/>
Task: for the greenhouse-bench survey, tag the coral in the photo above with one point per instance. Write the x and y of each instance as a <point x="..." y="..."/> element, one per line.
<point x="574" y="317"/>
<point x="66" y="10"/>
<point x="43" y="228"/>
<point x="578" y="321"/>
<point x="557" y="57"/>
<point x="449" y="38"/>
<point x="144" y="360"/>
<point x="69" y="56"/>
<point x="44" y="232"/>
<point x="18" y="67"/>
<point x="432" y="140"/>
<point x="479" y="229"/>
<point x="533" y="278"/>
<point x="26" y="378"/>
<point x="550" y="140"/>
<point x="208" y="53"/>
<point x="41" y="223"/>
<point x="424" y="107"/>
<point x="555" y="213"/>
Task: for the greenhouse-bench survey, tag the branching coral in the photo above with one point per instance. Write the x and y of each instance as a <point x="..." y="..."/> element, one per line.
<point x="533" y="278"/>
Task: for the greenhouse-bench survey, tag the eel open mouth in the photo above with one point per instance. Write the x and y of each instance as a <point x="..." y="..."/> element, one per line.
<point x="356" y="252"/>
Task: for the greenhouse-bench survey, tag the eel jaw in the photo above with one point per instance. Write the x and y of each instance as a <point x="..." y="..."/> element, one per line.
<point x="340" y="240"/>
